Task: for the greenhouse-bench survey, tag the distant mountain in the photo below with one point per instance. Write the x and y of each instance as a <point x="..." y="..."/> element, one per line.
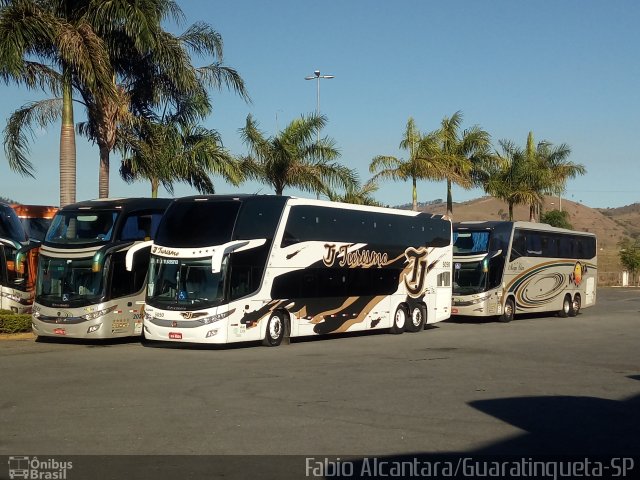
<point x="627" y="217"/>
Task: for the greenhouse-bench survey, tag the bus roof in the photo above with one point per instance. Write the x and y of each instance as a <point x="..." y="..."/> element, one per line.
<point x="123" y="204"/>
<point x="305" y="201"/>
<point x="491" y="224"/>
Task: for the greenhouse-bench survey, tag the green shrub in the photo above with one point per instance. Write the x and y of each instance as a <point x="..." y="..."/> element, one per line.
<point x="14" y="322"/>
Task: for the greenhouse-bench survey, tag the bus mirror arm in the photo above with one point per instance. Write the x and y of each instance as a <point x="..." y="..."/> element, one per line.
<point x="132" y="252"/>
<point x="234" y="246"/>
<point x="496" y="253"/>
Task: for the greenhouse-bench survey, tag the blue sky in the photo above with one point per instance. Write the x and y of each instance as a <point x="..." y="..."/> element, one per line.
<point x="567" y="70"/>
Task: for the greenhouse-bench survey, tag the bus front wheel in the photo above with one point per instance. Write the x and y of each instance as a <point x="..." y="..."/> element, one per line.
<point x="509" y="311"/>
<point x="275" y="330"/>
<point x="399" y="320"/>
<point x="417" y="320"/>
<point x="566" y="307"/>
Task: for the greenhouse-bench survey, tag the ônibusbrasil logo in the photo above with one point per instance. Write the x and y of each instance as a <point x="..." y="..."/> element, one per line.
<point x="38" y="469"/>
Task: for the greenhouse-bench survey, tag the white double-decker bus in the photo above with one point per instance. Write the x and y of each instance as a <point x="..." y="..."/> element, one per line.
<point x="264" y="268"/>
<point x="504" y="268"/>
<point x="83" y="288"/>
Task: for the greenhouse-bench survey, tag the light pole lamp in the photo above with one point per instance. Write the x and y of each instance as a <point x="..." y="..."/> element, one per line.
<point x="316" y="76"/>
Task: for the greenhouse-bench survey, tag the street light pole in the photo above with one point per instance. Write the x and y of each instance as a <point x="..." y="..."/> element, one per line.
<point x="316" y="76"/>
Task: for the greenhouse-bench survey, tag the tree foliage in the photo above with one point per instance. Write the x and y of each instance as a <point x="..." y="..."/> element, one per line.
<point x="557" y="218"/>
<point x="629" y="255"/>
<point x="293" y="158"/>
<point x="424" y="162"/>
<point x="522" y="176"/>
<point x="464" y="156"/>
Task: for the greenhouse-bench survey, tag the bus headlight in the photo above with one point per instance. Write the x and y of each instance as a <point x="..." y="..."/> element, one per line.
<point x="93" y="328"/>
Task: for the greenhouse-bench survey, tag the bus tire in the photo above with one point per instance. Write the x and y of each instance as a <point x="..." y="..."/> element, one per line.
<point x="418" y="317"/>
<point x="400" y="320"/>
<point x="575" y="305"/>
<point x="275" y="330"/>
<point x="566" y="307"/>
<point x="508" y="311"/>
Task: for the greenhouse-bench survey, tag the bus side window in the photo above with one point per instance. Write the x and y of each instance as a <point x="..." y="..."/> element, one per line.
<point x="534" y="244"/>
<point x="517" y="246"/>
<point x="566" y="246"/>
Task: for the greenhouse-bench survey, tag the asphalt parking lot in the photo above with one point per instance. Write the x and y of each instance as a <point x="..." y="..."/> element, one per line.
<point x="538" y="385"/>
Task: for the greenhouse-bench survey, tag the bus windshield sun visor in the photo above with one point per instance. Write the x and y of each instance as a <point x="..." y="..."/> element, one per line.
<point x="235" y="246"/>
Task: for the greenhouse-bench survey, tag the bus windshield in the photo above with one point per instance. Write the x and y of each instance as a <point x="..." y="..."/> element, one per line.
<point x="78" y="227"/>
<point x="184" y="284"/>
<point x="470" y="277"/>
<point x="17" y="271"/>
<point x="68" y="281"/>
<point x="36" y="228"/>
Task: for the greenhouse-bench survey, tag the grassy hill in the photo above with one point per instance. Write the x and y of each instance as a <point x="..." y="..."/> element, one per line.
<point x="610" y="225"/>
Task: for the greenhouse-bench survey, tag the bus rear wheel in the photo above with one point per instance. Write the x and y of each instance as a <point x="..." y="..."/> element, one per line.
<point x="399" y="320"/>
<point x="275" y="330"/>
<point x="566" y="307"/>
<point x="417" y="319"/>
<point x="509" y="311"/>
<point x="575" y="305"/>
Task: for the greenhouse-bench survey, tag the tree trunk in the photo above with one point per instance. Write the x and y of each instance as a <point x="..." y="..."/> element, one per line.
<point x="107" y="128"/>
<point x="532" y="213"/>
<point x="510" y="211"/>
<point x="449" y="200"/>
<point x="67" y="144"/>
<point x="155" y="184"/>
<point x="414" y="195"/>
<point x="103" y="175"/>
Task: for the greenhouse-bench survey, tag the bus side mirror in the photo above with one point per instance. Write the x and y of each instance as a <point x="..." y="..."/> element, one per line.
<point x="234" y="246"/>
<point x="132" y="252"/>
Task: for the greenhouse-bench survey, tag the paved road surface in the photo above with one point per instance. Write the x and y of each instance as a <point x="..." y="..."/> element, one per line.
<point x="536" y="385"/>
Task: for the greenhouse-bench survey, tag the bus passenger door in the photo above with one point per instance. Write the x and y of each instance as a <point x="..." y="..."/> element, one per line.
<point x="590" y="293"/>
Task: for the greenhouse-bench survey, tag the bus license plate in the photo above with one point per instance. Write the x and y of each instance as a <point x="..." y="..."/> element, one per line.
<point x="59" y="331"/>
<point x="175" y="336"/>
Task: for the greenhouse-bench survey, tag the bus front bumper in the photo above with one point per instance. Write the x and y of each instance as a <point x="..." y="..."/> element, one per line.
<point x="481" y="305"/>
<point x="100" y="328"/>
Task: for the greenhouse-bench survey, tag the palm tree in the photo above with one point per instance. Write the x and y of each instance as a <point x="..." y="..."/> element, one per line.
<point x="512" y="178"/>
<point x="552" y="168"/>
<point x="50" y="45"/>
<point x="357" y="194"/>
<point x="293" y="157"/>
<point x="424" y="161"/>
<point x="157" y="76"/>
<point x="146" y="64"/>
<point x="464" y="156"/>
<point x="172" y="148"/>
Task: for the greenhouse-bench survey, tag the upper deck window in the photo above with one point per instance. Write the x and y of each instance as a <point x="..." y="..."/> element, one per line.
<point x="197" y="224"/>
<point x="470" y="242"/>
<point x="10" y="226"/>
<point x="74" y="227"/>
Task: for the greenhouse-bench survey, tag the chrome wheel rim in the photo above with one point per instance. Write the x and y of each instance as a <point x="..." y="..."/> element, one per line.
<point x="416" y="317"/>
<point x="275" y="327"/>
